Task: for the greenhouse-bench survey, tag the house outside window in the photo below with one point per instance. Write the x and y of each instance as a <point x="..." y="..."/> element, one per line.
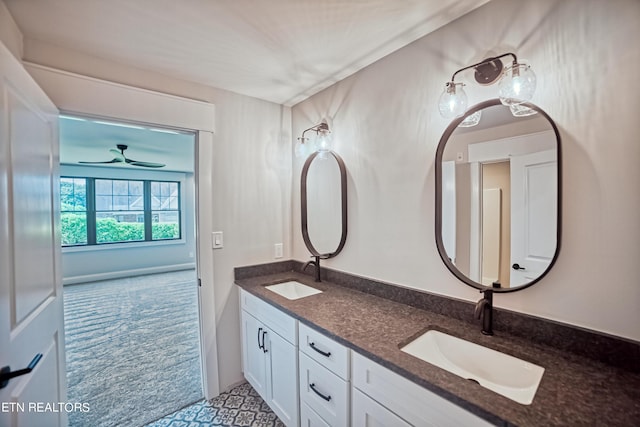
<point x="96" y="211"/>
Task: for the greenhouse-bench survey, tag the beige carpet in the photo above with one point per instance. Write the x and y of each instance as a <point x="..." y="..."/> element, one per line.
<point x="132" y="348"/>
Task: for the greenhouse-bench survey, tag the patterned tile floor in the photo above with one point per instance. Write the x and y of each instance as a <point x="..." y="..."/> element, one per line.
<point x="241" y="406"/>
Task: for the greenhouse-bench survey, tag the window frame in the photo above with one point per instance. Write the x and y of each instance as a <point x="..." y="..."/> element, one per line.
<point x="91" y="214"/>
<point x="85" y="211"/>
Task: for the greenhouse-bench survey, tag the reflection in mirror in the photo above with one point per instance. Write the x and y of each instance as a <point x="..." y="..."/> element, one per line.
<point x="324" y="204"/>
<point x="497" y="198"/>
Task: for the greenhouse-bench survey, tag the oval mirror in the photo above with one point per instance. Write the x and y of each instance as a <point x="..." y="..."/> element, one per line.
<point x="324" y="204"/>
<point x="498" y="173"/>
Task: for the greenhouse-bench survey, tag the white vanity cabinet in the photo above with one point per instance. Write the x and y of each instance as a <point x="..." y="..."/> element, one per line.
<point x="270" y="356"/>
<point x="324" y="380"/>
<point x="397" y="397"/>
<point x="308" y="379"/>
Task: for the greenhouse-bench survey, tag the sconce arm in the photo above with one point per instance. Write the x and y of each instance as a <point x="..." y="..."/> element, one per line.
<point x="316" y="128"/>
<point x="484" y="61"/>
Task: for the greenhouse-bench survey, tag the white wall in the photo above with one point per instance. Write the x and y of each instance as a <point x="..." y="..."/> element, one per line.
<point x="88" y="263"/>
<point x="387" y="126"/>
<point x="250" y="171"/>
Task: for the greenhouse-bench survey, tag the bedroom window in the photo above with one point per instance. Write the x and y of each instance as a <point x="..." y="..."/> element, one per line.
<point x="96" y="211"/>
<point x="73" y="211"/>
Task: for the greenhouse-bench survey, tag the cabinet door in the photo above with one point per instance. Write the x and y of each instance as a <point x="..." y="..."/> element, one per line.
<point x="282" y="378"/>
<point x="366" y="412"/>
<point x="253" y="356"/>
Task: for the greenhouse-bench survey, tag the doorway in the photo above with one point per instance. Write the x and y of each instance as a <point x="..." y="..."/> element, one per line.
<point x="131" y="294"/>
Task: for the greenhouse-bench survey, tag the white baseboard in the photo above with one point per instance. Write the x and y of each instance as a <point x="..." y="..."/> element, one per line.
<point x="126" y="273"/>
<point x="234" y="385"/>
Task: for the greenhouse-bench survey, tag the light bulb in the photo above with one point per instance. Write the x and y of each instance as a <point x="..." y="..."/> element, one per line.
<point x="323" y="140"/>
<point x="517" y="85"/>
<point x="453" y="101"/>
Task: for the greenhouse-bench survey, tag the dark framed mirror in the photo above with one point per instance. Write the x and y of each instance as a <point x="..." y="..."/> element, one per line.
<point x="498" y="196"/>
<point x="323" y="187"/>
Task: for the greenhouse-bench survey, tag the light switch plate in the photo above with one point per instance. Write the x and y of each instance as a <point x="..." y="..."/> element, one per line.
<point x="217" y="240"/>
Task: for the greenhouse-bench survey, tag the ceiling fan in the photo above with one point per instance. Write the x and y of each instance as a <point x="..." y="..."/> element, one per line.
<point x="121" y="158"/>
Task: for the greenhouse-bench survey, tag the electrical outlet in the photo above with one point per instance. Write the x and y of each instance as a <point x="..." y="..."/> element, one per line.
<point x="278" y="249"/>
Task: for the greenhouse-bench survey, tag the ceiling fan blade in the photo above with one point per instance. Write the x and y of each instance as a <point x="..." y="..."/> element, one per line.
<point x="145" y="164"/>
<point x="108" y="161"/>
<point x="117" y="154"/>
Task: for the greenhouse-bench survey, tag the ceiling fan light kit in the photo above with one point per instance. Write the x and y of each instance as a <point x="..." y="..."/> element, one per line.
<point x="121" y="158"/>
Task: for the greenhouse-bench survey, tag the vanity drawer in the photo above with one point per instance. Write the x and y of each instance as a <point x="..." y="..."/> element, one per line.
<point x="325" y="351"/>
<point x="309" y="418"/>
<point x="324" y="392"/>
<point x="413" y="403"/>
<point x="366" y="412"/>
<point x="278" y="321"/>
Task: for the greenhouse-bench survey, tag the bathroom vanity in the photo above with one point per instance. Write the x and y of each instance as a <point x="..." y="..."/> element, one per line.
<point x="355" y="373"/>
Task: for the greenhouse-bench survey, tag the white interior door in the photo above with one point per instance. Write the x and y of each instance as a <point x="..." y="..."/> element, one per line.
<point x="449" y="219"/>
<point x="534" y="210"/>
<point x="31" y="316"/>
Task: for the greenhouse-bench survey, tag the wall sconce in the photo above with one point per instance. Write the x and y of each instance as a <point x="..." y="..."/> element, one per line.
<point x="322" y="142"/>
<point x="517" y="85"/>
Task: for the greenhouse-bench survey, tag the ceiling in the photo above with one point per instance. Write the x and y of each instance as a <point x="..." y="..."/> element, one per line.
<point x="281" y="51"/>
<point x="89" y="140"/>
<point x="277" y="50"/>
<point x="499" y="115"/>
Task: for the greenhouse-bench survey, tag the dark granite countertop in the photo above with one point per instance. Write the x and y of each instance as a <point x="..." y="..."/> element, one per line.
<point x="574" y="391"/>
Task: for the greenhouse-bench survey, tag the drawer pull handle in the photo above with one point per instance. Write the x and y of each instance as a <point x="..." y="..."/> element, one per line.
<point x="264" y="347"/>
<point x="260" y="346"/>
<point x="313" y="387"/>
<point x="324" y="353"/>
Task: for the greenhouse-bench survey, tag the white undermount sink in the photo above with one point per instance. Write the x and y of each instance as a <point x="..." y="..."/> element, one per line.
<point x="506" y="375"/>
<point x="293" y="290"/>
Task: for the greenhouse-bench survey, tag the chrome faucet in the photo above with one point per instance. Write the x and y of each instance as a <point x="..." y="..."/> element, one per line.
<point x="484" y="310"/>
<point x="316" y="264"/>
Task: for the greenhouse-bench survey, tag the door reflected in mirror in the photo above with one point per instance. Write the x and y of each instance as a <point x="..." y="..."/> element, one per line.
<point x="497" y="211"/>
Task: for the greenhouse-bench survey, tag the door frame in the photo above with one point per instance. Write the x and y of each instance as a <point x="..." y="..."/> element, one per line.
<point x="77" y="94"/>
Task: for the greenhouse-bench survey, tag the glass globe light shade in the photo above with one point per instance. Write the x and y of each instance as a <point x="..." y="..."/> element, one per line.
<point x="519" y="110"/>
<point x="324" y="140"/>
<point x="517" y="85"/>
<point x="453" y="101"/>
<point x="471" y="120"/>
<point x="303" y="148"/>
